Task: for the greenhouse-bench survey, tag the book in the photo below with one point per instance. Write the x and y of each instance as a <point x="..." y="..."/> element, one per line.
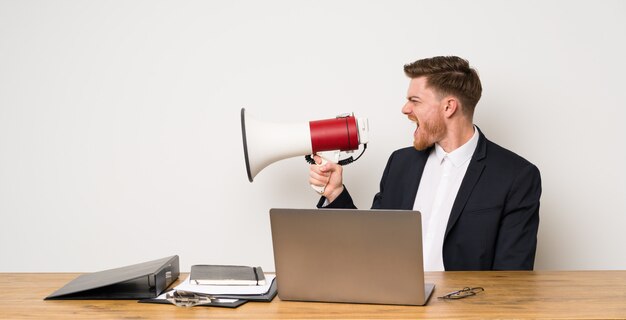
<point x="226" y="275"/>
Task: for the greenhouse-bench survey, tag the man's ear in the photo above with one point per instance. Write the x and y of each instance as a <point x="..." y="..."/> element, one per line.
<point x="451" y="106"/>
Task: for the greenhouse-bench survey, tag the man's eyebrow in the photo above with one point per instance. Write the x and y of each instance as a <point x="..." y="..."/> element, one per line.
<point x="413" y="98"/>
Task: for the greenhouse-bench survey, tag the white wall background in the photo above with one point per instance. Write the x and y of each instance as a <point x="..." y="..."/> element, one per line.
<point x="119" y="120"/>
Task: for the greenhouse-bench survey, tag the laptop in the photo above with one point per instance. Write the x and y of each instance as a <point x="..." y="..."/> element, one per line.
<point x="353" y="256"/>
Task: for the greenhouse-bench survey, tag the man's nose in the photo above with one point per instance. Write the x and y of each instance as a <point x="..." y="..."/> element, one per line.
<point x="406" y="108"/>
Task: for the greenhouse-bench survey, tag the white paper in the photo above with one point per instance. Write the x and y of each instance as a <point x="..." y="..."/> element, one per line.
<point x="226" y="290"/>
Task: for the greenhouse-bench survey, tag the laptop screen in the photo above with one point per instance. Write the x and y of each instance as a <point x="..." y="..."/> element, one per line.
<point x="345" y="255"/>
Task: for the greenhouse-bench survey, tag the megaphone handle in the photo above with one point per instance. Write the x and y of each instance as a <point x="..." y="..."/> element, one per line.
<point x="334" y="155"/>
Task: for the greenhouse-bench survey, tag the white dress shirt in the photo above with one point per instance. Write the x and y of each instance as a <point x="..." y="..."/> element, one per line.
<point x="437" y="191"/>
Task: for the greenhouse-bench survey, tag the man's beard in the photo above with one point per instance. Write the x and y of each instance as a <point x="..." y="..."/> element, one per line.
<point x="429" y="133"/>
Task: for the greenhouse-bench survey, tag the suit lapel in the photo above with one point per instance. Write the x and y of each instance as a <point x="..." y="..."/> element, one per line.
<point x="413" y="177"/>
<point x="474" y="170"/>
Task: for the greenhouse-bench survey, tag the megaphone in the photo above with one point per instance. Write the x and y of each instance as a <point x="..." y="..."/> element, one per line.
<point x="265" y="143"/>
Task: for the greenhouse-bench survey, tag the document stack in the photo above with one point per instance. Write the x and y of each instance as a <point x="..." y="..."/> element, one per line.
<point x="220" y="286"/>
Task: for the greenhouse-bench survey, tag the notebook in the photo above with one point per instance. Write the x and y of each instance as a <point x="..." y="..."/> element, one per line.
<point x="345" y="255"/>
<point x="228" y="275"/>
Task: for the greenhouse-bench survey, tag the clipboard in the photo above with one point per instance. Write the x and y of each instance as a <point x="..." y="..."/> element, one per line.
<point x="138" y="281"/>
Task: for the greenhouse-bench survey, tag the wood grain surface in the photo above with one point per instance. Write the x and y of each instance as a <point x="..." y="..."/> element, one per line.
<point x="517" y="294"/>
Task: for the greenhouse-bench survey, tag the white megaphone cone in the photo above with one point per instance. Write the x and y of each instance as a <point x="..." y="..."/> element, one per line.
<point x="265" y="143"/>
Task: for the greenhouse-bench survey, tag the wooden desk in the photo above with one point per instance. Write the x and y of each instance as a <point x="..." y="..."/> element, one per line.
<point x="538" y="294"/>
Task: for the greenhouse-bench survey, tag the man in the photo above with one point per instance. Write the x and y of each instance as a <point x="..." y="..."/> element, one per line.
<point x="479" y="201"/>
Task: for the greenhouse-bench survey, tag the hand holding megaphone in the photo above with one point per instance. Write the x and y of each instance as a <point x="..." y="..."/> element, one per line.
<point x="265" y="143"/>
<point x="326" y="175"/>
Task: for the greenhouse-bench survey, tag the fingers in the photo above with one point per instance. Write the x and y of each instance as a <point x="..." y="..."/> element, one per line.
<point x="323" y="165"/>
<point x="318" y="177"/>
<point x="327" y="175"/>
<point x="326" y="167"/>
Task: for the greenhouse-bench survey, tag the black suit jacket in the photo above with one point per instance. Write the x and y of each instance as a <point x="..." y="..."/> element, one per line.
<point x="495" y="216"/>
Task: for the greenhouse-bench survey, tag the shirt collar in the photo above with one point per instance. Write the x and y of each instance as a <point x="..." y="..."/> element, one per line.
<point x="461" y="154"/>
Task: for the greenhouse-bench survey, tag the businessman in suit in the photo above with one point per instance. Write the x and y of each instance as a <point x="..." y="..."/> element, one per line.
<point x="479" y="201"/>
